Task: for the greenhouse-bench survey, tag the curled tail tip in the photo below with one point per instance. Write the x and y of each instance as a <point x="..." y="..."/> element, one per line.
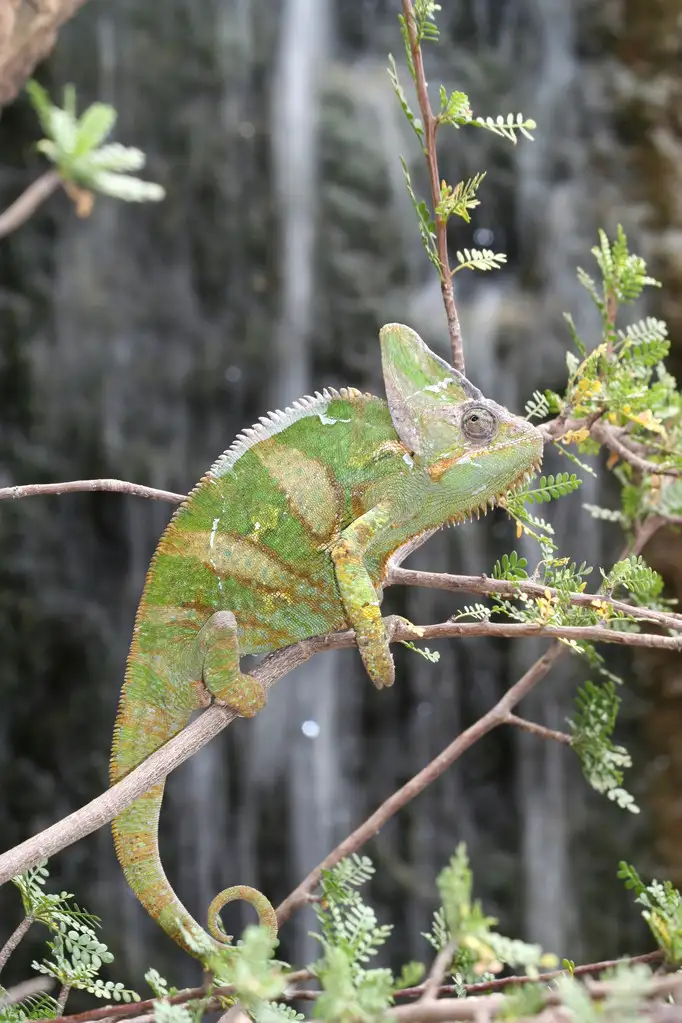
<point x="266" y="913"/>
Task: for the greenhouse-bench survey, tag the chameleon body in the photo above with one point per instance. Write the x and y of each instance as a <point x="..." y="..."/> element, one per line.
<point x="289" y="536"/>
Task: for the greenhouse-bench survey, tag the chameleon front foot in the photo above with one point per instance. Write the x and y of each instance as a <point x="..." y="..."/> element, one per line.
<point x="266" y="913"/>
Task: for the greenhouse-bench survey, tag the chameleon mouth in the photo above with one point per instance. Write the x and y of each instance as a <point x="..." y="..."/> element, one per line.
<point x="493" y="502"/>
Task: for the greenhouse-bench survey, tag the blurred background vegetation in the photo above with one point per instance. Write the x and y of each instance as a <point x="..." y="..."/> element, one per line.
<point x="136" y="343"/>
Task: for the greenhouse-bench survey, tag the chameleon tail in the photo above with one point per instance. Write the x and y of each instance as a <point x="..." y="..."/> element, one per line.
<point x="135" y="838"/>
<point x="142" y="727"/>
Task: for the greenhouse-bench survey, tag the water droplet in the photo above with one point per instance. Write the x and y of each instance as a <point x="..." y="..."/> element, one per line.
<point x="233" y="374"/>
<point x="310" y="729"/>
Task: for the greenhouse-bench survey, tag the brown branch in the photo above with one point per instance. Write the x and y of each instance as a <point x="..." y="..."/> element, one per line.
<point x="28" y="31"/>
<point x="430" y="123"/>
<point x="487" y="586"/>
<point x="518" y="630"/>
<point x="13" y="940"/>
<point x="539" y="730"/>
<point x="28" y="202"/>
<point x="134" y="1009"/>
<point x="432" y="984"/>
<point x="79" y="486"/>
<point x="419" y="782"/>
<point x="607" y="436"/>
<point x="108" y="805"/>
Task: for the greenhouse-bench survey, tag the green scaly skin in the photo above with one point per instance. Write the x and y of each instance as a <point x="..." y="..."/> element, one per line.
<point x="288" y="536"/>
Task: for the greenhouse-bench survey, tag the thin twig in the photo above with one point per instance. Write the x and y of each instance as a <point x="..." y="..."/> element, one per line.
<point x="133" y="1009"/>
<point x="78" y="486"/>
<point x="539" y="730"/>
<point x="430" y="123"/>
<point x="13" y="940"/>
<point x="485" y="585"/>
<point x="28" y="202"/>
<point x="61" y="1000"/>
<point x="499" y="983"/>
<point x="187" y="742"/>
<point x="432" y="984"/>
<point x="419" y="782"/>
<point x="607" y="436"/>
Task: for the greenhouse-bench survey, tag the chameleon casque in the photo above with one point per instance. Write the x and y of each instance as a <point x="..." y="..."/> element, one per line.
<point x="288" y="536"/>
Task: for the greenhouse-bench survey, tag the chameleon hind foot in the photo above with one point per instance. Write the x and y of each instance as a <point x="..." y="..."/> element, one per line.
<point x="266" y="913"/>
<point x="219" y="648"/>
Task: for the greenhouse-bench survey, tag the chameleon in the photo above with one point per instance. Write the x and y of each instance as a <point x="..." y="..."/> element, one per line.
<point x="289" y="535"/>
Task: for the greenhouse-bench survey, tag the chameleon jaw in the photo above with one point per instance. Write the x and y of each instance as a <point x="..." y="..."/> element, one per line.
<point x="492" y="502"/>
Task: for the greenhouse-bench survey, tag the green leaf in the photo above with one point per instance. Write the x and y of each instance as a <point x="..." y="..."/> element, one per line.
<point x="41" y="103"/>
<point x="510" y="567"/>
<point x="602" y="762"/>
<point x="129" y="189"/>
<point x="64" y="132"/>
<point x="550" y="488"/>
<point x="415" y="123"/>
<point x="507" y="127"/>
<point x="479" y="259"/>
<point x="427" y="228"/>
<point x="93" y="127"/>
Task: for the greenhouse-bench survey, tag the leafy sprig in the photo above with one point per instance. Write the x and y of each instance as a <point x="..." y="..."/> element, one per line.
<point x="478" y="950"/>
<point x="662" y="910"/>
<point x="75" y="145"/>
<point x="591" y="729"/>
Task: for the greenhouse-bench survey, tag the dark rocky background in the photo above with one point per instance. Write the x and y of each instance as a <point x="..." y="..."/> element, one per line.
<point x="136" y="344"/>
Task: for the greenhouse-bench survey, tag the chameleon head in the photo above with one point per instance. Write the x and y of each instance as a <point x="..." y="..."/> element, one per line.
<point x="474" y="447"/>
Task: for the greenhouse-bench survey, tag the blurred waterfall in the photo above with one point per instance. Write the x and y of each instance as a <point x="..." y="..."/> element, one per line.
<point x="137" y="343"/>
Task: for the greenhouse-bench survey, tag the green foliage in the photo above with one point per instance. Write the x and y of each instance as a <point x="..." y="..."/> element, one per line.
<point x="538" y="407"/>
<point x="159" y="984"/>
<point x="459" y="200"/>
<point x="510" y="567"/>
<point x="75" y="146"/>
<point x="662" y="910"/>
<point x="602" y="762"/>
<point x="55" y="911"/>
<point x="77" y="957"/>
<point x="40" y="1006"/>
<point x="628" y="985"/>
<point x="414" y="121"/>
<point x="429" y="655"/>
<point x="507" y="127"/>
<point x="76" y="953"/>
<point x="550" y="488"/>
<point x="479" y="612"/>
<point x="455" y="111"/>
<point x="527" y="1000"/>
<point x="479" y="259"/>
<point x="427" y="228"/>
<point x="460" y="922"/>
<point x="634" y="575"/>
<point x="624" y="274"/>
<point x="351" y="936"/>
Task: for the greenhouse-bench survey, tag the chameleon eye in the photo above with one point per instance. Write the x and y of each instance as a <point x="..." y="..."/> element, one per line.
<point x="479" y="423"/>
